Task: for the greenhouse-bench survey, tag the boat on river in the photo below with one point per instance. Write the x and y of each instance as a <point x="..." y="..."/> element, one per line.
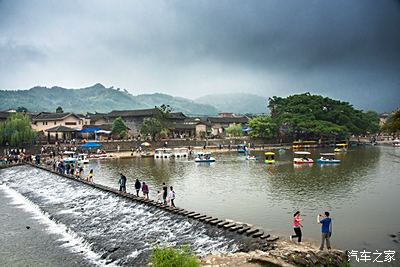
<point x="341" y="147"/>
<point x="204" y="157"/>
<point x="241" y="148"/>
<point x="396" y="143"/>
<point x="328" y="158"/>
<point x="162" y="153"/>
<point x="181" y="152"/>
<point x="269" y="157"/>
<point x="301" y="157"/>
<point x="83" y="158"/>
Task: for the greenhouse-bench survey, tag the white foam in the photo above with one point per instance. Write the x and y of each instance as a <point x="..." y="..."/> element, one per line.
<point x="74" y="242"/>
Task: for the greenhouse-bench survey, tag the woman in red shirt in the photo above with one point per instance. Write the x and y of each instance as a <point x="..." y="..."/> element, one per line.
<point x="296" y="226"/>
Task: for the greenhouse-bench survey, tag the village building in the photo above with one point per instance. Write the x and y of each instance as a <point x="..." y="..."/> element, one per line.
<point x="58" y="125"/>
<point x="223" y="121"/>
<point x="132" y="118"/>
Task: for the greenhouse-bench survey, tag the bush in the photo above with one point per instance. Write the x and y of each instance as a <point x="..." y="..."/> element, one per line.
<point x="173" y="257"/>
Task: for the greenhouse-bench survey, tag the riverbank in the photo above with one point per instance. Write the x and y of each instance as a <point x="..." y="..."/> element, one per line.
<point x="285" y="254"/>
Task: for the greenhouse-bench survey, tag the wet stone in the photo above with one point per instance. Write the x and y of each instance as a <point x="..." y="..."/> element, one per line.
<point x="244" y="229"/>
<point x="229" y="225"/>
<point x="251" y="231"/>
<point x="236" y="227"/>
<point x="222" y="223"/>
<point x="265" y="236"/>
<point x="257" y="234"/>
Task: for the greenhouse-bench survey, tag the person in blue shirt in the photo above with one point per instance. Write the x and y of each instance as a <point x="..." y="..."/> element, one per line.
<point x="326" y="229"/>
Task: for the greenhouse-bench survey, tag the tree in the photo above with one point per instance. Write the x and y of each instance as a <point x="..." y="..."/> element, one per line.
<point x="152" y="127"/>
<point x="119" y="127"/>
<point x="17" y="130"/>
<point x="313" y="116"/>
<point x="163" y="114"/>
<point x="234" y="130"/>
<point x="262" y="127"/>
<point x="22" y="109"/>
<point x="392" y="124"/>
<point x="59" y="110"/>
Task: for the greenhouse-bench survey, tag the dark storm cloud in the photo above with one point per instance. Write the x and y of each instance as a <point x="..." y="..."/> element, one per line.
<point x="345" y="49"/>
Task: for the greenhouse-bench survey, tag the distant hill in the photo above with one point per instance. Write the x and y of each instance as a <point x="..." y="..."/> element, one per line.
<point x="236" y="102"/>
<point x="96" y="98"/>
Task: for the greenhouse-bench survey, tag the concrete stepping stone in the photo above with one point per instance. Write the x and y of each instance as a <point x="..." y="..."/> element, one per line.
<point x="244" y="229"/>
<point x="205" y="218"/>
<point x="272" y="238"/>
<point x="251" y="231"/>
<point x="265" y="236"/>
<point x="200" y="216"/>
<point x="229" y="225"/>
<point x="222" y="223"/>
<point x="215" y="222"/>
<point x="258" y="234"/>
<point x="236" y="227"/>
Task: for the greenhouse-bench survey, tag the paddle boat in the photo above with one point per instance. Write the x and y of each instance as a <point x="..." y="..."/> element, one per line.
<point x="302" y="158"/>
<point x="241" y="148"/>
<point x="70" y="160"/>
<point x="163" y="153"/>
<point x="269" y="157"/>
<point x="204" y="157"/>
<point x="147" y="154"/>
<point x="328" y="158"/>
<point x="341" y="147"/>
<point x="396" y="143"/>
<point x="181" y="152"/>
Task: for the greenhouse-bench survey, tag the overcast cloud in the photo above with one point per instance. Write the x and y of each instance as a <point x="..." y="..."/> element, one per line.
<point x="348" y="50"/>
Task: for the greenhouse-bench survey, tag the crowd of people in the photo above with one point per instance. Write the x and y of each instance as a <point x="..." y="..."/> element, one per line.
<point x="326" y="228"/>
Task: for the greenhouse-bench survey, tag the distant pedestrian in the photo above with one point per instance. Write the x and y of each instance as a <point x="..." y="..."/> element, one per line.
<point x="90" y="176"/>
<point x="138" y="185"/>
<point x="165" y="193"/>
<point x="296" y="226"/>
<point x="172" y="196"/>
<point x="122" y="183"/>
<point x="118" y="148"/>
<point x="145" y="190"/>
<point x="326" y="229"/>
<point x="159" y="196"/>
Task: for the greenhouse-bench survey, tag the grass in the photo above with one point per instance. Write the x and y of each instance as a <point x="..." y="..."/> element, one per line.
<point x="180" y="256"/>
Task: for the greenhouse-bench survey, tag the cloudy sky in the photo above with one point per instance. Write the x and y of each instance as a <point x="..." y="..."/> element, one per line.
<point x="348" y="50"/>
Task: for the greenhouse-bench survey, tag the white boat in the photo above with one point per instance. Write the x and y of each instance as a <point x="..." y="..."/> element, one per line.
<point x="396" y="143"/>
<point x="162" y="153"/>
<point x="204" y="157"/>
<point x="301" y="157"/>
<point x="328" y="158"/>
<point x="83" y="158"/>
<point x="181" y="152"/>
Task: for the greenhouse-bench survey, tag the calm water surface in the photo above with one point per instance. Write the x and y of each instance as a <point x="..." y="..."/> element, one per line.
<point x="362" y="193"/>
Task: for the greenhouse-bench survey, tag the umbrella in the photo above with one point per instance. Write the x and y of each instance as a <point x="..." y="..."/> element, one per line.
<point x="103" y="132"/>
<point x="145" y="144"/>
<point x="90" y="145"/>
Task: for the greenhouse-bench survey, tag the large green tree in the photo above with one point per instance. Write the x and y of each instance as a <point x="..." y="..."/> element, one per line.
<point x="119" y="127"/>
<point x="392" y="124"/>
<point x="152" y="127"/>
<point x="314" y="116"/>
<point x="17" y="131"/>
<point x="262" y="127"/>
<point x="234" y="130"/>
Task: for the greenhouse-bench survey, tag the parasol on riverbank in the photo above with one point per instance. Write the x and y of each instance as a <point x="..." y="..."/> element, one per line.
<point x="145" y="144"/>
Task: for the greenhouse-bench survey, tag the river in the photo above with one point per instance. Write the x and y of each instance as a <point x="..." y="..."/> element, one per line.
<point x="361" y="193"/>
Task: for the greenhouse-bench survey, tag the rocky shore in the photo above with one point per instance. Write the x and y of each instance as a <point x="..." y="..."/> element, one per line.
<point x="284" y="254"/>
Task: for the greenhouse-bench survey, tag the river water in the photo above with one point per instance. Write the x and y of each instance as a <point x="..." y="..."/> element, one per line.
<point x="362" y="193"/>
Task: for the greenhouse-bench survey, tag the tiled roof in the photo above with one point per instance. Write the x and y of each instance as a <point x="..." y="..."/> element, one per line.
<point x="61" y="129"/>
<point x="45" y="116"/>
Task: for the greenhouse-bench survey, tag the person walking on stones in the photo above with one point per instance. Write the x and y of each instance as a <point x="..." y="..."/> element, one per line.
<point x="122" y="183"/>
<point x="159" y="195"/>
<point x="172" y="196"/>
<point x="138" y="185"/>
<point x="165" y="193"/>
<point x="145" y="190"/>
<point x="90" y="176"/>
<point x="326" y="229"/>
<point x="296" y="227"/>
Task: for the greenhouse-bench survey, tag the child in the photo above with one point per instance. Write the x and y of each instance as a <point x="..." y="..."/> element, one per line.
<point x="90" y="176"/>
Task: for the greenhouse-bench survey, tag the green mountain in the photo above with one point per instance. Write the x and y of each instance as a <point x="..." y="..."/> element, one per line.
<point x="96" y="98"/>
<point x="238" y="103"/>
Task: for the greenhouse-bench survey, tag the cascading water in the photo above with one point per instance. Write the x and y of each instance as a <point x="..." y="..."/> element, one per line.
<point x="120" y="230"/>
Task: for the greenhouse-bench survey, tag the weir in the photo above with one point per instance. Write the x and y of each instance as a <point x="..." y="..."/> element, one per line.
<point x="121" y="227"/>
